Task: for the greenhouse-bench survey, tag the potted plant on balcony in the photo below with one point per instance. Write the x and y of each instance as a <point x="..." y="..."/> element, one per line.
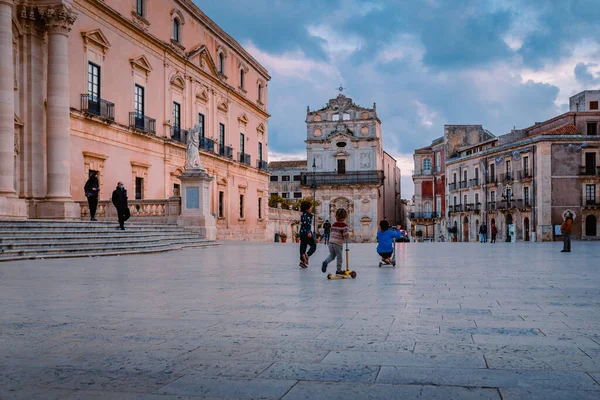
<point x="283" y="237"/>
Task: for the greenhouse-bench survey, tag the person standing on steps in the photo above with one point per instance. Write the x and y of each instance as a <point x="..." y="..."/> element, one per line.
<point x="119" y="199"/>
<point x="92" y="190"/>
<point x="565" y="229"/>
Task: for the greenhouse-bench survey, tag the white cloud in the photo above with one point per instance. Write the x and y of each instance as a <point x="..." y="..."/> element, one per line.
<point x="425" y="113"/>
<point x="282" y="156"/>
<point x="405" y="47"/>
<point x="338" y="46"/>
<point x="293" y="64"/>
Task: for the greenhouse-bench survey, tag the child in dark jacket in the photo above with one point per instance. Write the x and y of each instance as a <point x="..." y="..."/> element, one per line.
<point x="385" y="240"/>
<point x="307" y="238"/>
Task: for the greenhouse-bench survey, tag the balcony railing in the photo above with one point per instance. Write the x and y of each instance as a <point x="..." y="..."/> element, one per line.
<point x="348" y="178"/>
<point x="491" y="206"/>
<point x="452" y="186"/>
<point x="97" y="106"/>
<point x="508" y="177"/>
<point x="591" y="203"/>
<point x="225" y="151"/>
<point x="262" y="164"/>
<point x="207" y="144"/>
<point x="418" y="172"/>
<point x="424" y="215"/>
<point x="589" y="170"/>
<point x="474" y="182"/>
<point x="491" y="179"/>
<point x="524" y="174"/>
<point x="179" y="134"/>
<point x="244" y="158"/>
<point x="437" y="169"/>
<point x="142" y="122"/>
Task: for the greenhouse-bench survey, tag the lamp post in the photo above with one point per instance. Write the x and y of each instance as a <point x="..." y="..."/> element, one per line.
<point x="508" y="197"/>
<point x="314" y="188"/>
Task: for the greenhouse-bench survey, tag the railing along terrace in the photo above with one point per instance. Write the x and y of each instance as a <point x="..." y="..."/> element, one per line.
<point x="425" y="215"/>
<point x="97" y="106"/>
<point x="164" y="211"/>
<point x="207" y="144"/>
<point x="179" y="134"/>
<point x="589" y="170"/>
<point x="225" y="151"/>
<point x="142" y="122"/>
<point x="244" y="158"/>
<point x="348" y="178"/>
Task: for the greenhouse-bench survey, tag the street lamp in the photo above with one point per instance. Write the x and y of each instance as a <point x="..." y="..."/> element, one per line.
<point x="314" y="188"/>
<point x="508" y="197"/>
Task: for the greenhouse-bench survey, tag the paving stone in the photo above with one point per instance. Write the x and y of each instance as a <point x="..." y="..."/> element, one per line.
<point x="34" y="394"/>
<point x="373" y="391"/>
<point x="547" y="394"/>
<point x="321" y="372"/>
<point x="486" y="378"/>
<point x="246" y="353"/>
<point x="404" y="359"/>
<point x="229" y="388"/>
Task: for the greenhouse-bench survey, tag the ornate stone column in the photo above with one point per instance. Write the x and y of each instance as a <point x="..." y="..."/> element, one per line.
<point x="59" y="20"/>
<point x="7" y="105"/>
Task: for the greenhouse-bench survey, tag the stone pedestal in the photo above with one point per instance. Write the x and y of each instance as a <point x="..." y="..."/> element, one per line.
<point x="195" y="203"/>
<point x="13" y="207"/>
<point x="58" y="210"/>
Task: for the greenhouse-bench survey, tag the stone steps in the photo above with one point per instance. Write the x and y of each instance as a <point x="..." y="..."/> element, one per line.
<point x="36" y="239"/>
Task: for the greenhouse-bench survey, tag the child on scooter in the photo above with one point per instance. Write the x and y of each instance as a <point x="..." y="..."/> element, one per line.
<point x="385" y="239"/>
<point x="338" y="233"/>
<point x="307" y="237"/>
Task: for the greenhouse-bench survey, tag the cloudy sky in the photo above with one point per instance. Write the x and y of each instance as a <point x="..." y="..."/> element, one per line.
<point x="426" y="63"/>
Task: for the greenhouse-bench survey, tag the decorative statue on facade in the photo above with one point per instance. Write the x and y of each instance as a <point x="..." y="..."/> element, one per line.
<point x="193" y="143"/>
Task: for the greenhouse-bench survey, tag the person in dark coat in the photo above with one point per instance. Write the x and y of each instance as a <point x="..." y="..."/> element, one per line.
<point x="92" y="190"/>
<point x="119" y="199"/>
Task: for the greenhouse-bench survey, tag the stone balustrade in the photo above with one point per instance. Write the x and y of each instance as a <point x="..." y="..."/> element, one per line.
<point x="160" y="211"/>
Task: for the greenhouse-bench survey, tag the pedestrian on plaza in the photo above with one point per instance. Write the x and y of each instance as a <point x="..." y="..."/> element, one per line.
<point x="565" y="229"/>
<point x="339" y="232"/>
<point x="307" y="236"/>
<point x="92" y="190"/>
<point x="494" y="232"/>
<point x="321" y="234"/>
<point x="385" y="240"/>
<point x="119" y="199"/>
<point x="483" y="233"/>
<point x="327" y="231"/>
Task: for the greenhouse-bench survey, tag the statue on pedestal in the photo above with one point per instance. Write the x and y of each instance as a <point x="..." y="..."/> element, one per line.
<point x="193" y="143"/>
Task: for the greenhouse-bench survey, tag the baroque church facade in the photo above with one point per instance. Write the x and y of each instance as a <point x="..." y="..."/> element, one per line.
<point x="348" y="168"/>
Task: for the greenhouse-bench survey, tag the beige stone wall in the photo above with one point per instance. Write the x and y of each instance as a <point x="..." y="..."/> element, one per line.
<point x="281" y="221"/>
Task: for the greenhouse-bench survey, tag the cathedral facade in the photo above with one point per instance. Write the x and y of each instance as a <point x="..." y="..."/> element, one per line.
<point x="348" y="168"/>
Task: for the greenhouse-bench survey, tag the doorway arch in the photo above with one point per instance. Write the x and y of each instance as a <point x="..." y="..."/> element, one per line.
<point x="590" y="226"/>
<point x="465" y="229"/>
<point x="509" y="221"/>
<point x="526" y="229"/>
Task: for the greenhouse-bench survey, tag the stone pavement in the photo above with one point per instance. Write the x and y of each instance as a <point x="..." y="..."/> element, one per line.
<point x="452" y="321"/>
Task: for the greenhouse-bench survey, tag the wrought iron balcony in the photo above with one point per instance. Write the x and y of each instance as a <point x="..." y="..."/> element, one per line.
<point x="491" y="179"/>
<point x="225" y="151"/>
<point x="348" y="178"/>
<point x="262" y="164"/>
<point x="97" y="106"/>
<point x="474" y="182"/>
<point x="422" y="172"/>
<point x="244" y="158"/>
<point x="424" y="215"/>
<point x="179" y="134"/>
<point x="589" y="170"/>
<point x="508" y="177"/>
<point x="491" y="206"/>
<point x="524" y="174"/>
<point x="591" y="203"/>
<point x="142" y="122"/>
<point x="207" y="144"/>
<point x="452" y="186"/>
<point x="437" y="169"/>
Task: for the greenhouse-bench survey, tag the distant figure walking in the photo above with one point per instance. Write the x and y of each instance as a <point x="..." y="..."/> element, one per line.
<point x="119" y="199"/>
<point x="327" y="231"/>
<point x="565" y="229"/>
<point x="483" y="233"/>
<point x="92" y="190"/>
<point x="494" y="232"/>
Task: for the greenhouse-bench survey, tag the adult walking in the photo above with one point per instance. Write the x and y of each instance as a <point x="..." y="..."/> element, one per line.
<point x="92" y="190"/>
<point x="565" y="229"/>
<point x="483" y="233"/>
<point x="494" y="232"/>
<point x="326" y="231"/>
<point x="119" y="199"/>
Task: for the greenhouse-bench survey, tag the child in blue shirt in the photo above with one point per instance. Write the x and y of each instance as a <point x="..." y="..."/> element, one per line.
<point x="385" y="239"/>
<point x="307" y="237"/>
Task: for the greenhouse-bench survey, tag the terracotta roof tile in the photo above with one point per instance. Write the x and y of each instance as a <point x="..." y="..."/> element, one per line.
<point x="568" y="129"/>
<point x="287" y="164"/>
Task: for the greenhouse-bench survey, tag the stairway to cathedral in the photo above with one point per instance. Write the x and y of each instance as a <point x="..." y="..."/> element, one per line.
<point x="39" y="239"/>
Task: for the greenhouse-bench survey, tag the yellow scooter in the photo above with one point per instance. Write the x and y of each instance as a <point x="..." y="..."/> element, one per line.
<point x="347" y="272"/>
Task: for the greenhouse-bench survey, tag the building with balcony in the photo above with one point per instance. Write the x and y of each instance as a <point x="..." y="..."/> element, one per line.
<point x="429" y="203"/>
<point x="346" y="167"/>
<point x="526" y="180"/>
<point x="113" y="87"/>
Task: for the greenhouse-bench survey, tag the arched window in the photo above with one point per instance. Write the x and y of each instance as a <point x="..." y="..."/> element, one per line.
<point x="427" y="164"/>
<point x="242" y="76"/>
<point x="176" y="29"/>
